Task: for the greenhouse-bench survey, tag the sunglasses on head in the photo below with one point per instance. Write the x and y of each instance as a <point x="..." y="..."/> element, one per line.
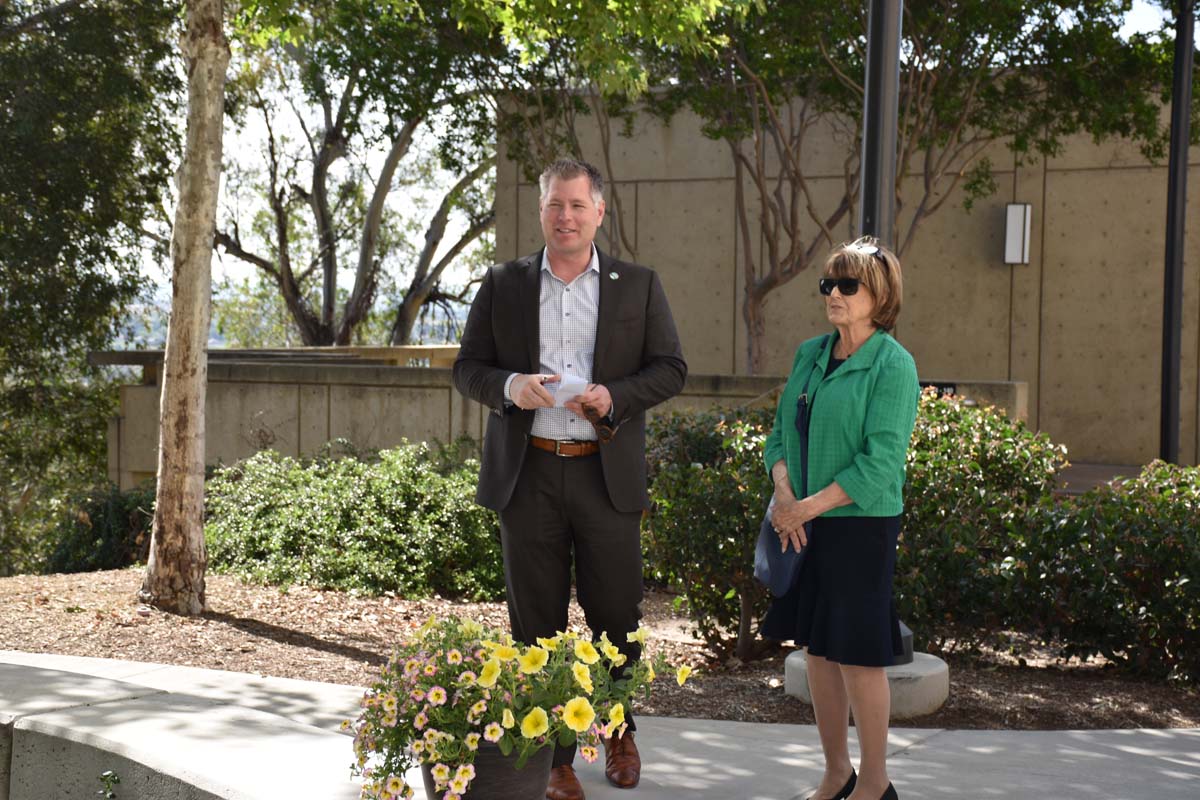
<point x="847" y="286"/>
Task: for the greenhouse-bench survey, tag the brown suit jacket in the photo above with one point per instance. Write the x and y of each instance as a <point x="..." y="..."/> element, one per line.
<point x="638" y="358"/>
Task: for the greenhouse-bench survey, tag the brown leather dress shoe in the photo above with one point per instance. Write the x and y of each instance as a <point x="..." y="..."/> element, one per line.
<point x="563" y="784"/>
<point x="622" y="763"/>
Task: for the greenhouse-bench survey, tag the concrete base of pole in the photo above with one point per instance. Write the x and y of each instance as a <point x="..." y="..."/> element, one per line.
<point x="918" y="688"/>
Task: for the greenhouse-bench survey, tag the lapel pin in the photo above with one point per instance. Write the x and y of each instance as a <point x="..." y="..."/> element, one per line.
<point x="613" y="276"/>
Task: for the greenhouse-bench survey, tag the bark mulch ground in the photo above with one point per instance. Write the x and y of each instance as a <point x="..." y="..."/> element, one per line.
<point x="337" y="637"/>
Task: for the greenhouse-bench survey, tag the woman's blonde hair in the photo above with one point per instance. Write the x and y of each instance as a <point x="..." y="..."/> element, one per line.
<point x="875" y="267"/>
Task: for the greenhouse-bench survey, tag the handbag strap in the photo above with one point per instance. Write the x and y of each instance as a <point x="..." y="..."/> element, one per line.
<point x="803" y="406"/>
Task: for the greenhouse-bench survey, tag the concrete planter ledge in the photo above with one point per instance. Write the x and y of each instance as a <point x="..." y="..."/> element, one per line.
<point x="229" y="736"/>
<point x="182" y="733"/>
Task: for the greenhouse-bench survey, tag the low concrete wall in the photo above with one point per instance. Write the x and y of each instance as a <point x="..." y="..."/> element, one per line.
<point x="60" y="730"/>
<point x="296" y="409"/>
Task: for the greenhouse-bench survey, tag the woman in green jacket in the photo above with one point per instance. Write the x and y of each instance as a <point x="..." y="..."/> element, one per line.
<point x="857" y="390"/>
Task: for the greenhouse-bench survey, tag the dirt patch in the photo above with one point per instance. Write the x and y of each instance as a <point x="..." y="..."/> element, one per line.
<point x="338" y="637"/>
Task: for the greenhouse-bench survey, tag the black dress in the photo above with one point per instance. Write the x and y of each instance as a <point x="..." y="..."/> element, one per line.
<point x="841" y="606"/>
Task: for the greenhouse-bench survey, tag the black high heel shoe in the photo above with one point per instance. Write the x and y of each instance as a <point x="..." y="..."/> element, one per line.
<point x="846" y="790"/>
<point x="890" y="793"/>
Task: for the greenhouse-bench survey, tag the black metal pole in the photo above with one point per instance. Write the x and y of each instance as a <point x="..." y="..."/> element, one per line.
<point x="881" y="103"/>
<point x="1181" y="105"/>
<point x="877" y="188"/>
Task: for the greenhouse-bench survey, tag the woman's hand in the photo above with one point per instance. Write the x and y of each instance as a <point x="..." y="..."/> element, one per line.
<point x="788" y="519"/>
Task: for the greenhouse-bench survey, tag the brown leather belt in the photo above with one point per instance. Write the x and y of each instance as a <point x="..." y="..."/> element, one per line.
<point x="568" y="448"/>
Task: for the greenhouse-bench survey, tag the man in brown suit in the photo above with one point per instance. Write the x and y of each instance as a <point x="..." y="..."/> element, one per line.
<point x="568" y="489"/>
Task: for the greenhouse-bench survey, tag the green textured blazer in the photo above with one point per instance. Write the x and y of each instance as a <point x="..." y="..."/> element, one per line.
<point x="860" y="423"/>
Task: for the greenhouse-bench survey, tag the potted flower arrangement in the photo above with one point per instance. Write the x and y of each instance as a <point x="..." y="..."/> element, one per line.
<point x="480" y="713"/>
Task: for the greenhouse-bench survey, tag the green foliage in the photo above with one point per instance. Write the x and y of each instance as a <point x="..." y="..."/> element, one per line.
<point x="105" y="529"/>
<point x="108" y="779"/>
<point x="971" y="474"/>
<point x="1113" y="572"/>
<point x="52" y="450"/>
<point x="608" y="40"/>
<point x="403" y="522"/>
<point x="709" y="491"/>
<point x="87" y="96"/>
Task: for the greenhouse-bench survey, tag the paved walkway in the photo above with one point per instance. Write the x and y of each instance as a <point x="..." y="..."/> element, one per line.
<point x="744" y="761"/>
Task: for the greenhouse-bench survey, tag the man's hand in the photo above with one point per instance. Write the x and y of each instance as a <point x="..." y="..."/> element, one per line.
<point x="596" y="396"/>
<point x="528" y="392"/>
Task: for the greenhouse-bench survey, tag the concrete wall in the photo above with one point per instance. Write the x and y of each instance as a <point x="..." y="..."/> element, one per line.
<point x="1080" y="324"/>
<point x="297" y="409"/>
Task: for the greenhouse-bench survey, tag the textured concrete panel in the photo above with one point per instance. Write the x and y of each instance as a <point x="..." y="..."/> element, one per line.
<point x="529" y="229"/>
<point x="507" y="194"/>
<point x="139" y="429"/>
<point x="1025" y="324"/>
<point x="312" y="424"/>
<point x="254" y="416"/>
<point x="795" y="311"/>
<point x="222" y="751"/>
<point x="657" y="151"/>
<point x="5" y="759"/>
<point x="695" y="269"/>
<point x="955" y="318"/>
<point x="383" y="416"/>
<point x="50" y="767"/>
<point x="1102" y="307"/>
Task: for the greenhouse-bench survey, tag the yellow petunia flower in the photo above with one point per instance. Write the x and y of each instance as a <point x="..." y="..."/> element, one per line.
<point x="506" y="652"/>
<point x="610" y="650"/>
<point x="681" y="674"/>
<point x="578" y="714"/>
<point x="507" y="720"/>
<point x="585" y="652"/>
<point x="549" y="644"/>
<point x="489" y="673"/>
<point x="650" y="673"/>
<point x="638" y="636"/>
<point x="582" y="676"/>
<point x="470" y="628"/>
<point x="536" y="723"/>
<point x="533" y="660"/>
<point x="616" y="715"/>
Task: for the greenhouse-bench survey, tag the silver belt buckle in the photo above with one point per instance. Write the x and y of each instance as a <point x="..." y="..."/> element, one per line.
<point x="558" y="447"/>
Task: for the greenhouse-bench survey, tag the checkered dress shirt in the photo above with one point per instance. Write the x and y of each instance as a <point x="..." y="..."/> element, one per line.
<point x="567" y="317"/>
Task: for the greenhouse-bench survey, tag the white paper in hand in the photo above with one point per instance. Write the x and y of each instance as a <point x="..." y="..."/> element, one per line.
<point x="570" y="387"/>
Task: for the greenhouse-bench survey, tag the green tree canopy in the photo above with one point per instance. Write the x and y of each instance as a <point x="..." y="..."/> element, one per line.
<point x="87" y="91"/>
<point x="86" y="142"/>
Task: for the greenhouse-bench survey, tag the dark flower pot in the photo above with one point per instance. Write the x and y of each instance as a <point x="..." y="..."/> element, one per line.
<point x="497" y="776"/>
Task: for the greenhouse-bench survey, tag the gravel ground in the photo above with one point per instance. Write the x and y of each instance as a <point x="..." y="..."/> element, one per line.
<point x="338" y="637"/>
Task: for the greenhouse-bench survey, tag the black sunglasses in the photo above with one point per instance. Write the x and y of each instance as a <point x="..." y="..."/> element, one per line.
<point x="847" y="286"/>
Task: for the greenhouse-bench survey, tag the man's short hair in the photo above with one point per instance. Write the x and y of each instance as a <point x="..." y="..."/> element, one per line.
<point x="566" y="169"/>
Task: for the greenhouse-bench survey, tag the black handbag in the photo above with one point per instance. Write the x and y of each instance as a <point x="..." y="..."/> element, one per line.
<point x="774" y="568"/>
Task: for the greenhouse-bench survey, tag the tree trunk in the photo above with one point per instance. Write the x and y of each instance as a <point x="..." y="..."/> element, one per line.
<point x="175" y="570"/>
<point x="745" y="641"/>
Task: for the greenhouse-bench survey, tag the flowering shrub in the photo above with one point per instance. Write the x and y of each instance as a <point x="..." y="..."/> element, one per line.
<point x="709" y="490"/>
<point x="458" y="686"/>
<point x="404" y="520"/>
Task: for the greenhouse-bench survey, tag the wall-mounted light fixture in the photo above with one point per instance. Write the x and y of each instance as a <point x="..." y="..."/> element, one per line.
<point x="1017" y="222"/>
